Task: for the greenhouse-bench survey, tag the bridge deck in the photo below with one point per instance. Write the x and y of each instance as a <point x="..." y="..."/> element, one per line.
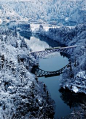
<point x="41" y="54"/>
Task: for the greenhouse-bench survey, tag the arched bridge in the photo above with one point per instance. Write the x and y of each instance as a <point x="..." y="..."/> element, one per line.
<point x="40" y="73"/>
<point x="47" y="51"/>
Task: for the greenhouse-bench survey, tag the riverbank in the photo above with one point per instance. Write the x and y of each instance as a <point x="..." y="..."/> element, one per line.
<point x="22" y="96"/>
<point x="74" y="78"/>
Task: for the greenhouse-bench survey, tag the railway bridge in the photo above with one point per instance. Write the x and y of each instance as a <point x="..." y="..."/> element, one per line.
<point x="47" y="51"/>
<point x="41" y="54"/>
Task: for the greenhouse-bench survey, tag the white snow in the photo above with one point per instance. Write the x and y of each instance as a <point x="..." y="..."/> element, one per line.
<point x="1" y="21"/>
<point x="13" y="85"/>
<point x="13" y="75"/>
<point x="81" y="74"/>
<point x="50" y="11"/>
<point x="71" y="36"/>
<point x="75" y="89"/>
<point x="34" y="27"/>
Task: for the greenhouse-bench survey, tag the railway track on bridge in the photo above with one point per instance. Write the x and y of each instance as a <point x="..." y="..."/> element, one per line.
<point x="47" y="51"/>
<point x="40" y="54"/>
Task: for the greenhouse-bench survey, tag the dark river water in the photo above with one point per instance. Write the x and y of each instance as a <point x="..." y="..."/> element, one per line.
<point x="51" y="63"/>
<point x="54" y="63"/>
<point x="65" y="100"/>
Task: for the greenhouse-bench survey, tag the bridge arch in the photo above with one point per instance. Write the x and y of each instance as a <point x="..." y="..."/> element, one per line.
<point x="41" y="73"/>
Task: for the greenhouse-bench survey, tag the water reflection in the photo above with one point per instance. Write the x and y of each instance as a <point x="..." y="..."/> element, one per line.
<point x="36" y="45"/>
<point x="25" y="30"/>
<point x="65" y="100"/>
<point x="48" y="41"/>
<point x="72" y="99"/>
<point x="26" y="34"/>
<point x="51" y="63"/>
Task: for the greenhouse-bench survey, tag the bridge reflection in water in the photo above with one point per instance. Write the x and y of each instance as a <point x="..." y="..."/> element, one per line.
<point x="50" y="67"/>
<point x="40" y="73"/>
<point x="40" y="54"/>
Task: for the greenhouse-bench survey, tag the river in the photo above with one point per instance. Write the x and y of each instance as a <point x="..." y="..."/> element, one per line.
<point x="55" y="62"/>
<point x="52" y="62"/>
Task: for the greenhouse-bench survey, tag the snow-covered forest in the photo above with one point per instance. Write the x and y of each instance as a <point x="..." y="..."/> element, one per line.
<point x="65" y="22"/>
<point x="75" y="77"/>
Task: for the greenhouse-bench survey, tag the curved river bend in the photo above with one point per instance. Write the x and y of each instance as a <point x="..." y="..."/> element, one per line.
<point x="51" y="63"/>
<point x="65" y="100"/>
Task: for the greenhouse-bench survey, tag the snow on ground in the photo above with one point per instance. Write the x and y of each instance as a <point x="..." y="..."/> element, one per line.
<point x="7" y="14"/>
<point x="21" y="96"/>
<point x="74" y="77"/>
<point x="15" y="79"/>
<point x="69" y="12"/>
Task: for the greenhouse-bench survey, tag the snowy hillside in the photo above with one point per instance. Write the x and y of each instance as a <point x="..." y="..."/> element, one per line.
<point x="69" y="12"/>
<point x="73" y="78"/>
<point x="7" y="14"/>
<point x="21" y="95"/>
